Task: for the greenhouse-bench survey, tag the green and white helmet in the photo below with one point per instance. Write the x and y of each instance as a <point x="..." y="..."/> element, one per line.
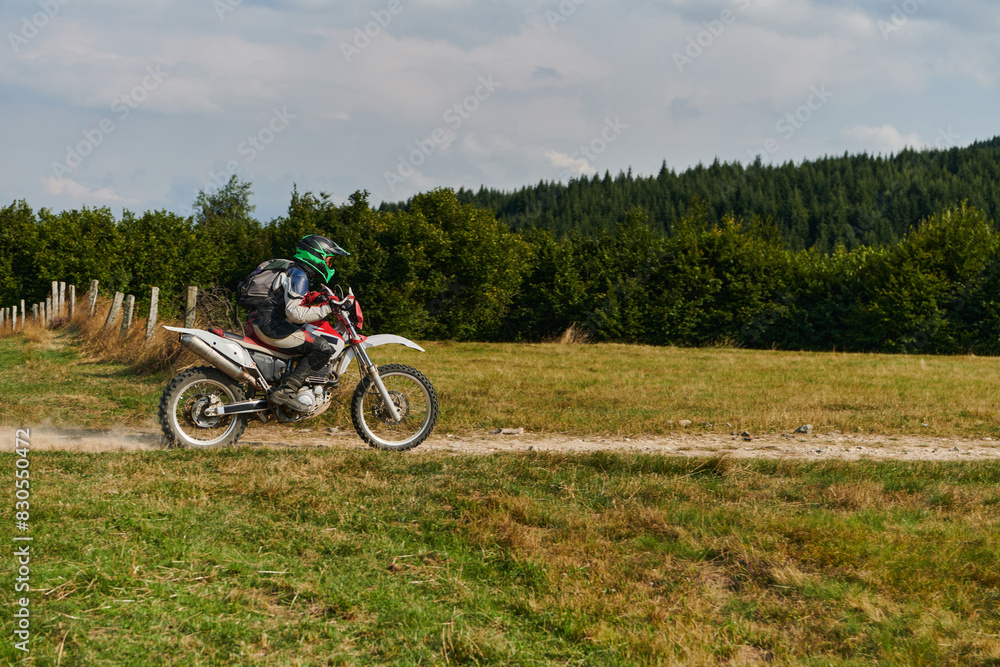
<point x="317" y="253"/>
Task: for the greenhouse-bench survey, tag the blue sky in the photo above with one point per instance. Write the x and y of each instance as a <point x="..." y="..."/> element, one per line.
<point x="141" y="105"/>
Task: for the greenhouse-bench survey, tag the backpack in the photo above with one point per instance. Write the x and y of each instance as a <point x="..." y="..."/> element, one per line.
<point x="254" y="289"/>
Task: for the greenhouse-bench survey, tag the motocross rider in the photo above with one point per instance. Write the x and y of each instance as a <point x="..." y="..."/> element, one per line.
<point x="280" y="320"/>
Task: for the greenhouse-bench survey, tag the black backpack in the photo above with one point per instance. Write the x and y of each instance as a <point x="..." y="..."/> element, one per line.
<point x="254" y="289"/>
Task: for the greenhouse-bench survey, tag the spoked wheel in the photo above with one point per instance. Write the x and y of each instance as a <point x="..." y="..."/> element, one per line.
<point x="184" y="414"/>
<point x="415" y="401"/>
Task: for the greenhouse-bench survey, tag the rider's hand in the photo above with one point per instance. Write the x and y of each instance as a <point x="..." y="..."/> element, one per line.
<point x="315" y="299"/>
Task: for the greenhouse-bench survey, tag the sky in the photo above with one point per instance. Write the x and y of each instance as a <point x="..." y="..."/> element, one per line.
<point x="140" y="106"/>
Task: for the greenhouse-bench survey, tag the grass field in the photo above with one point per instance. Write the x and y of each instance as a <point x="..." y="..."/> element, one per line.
<point x="312" y="557"/>
<point x="249" y="556"/>
<point x="576" y="389"/>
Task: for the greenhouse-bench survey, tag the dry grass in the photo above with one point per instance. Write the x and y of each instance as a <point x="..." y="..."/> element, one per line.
<point x="575" y="335"/>
<point x="109" y="343"/>
<point x="142" y="355"/>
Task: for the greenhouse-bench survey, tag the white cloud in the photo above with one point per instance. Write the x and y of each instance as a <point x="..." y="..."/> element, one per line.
<point x="882" y="138"/>
<point x="575" y="166"/>
<point x="69" y="189"/>
<point x="354" y="119"/>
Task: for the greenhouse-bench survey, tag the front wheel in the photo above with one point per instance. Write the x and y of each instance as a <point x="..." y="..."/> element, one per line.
<point x="415" y="401"/>
<point x="183" y="416"/>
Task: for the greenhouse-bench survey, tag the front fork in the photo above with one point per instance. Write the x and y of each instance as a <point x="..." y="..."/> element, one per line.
<point x="366" y="367"/>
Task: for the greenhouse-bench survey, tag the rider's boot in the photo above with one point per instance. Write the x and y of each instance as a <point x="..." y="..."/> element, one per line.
<point x="285" y="394"/>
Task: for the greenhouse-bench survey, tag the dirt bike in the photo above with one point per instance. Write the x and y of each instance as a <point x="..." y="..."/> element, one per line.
<point x="393" y="407"/>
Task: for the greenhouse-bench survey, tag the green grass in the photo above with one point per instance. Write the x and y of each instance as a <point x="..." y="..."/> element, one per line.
<point x="308" y="557"/>
<point x="577" y="389"/>
<point x="50" y="382"/>
<point x="248" y="556"/>
<point x="623" y="389"/>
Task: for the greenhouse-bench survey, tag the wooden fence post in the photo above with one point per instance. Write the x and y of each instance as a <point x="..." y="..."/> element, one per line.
<point x="24" y="314"/>
<point x="92" y="298"/>
<point x="154" y="303"/>
<point x="116" y="306"/>
<point x="62" y="299"/>
<point x="3" y="318"/>
<point x="189" y="311"/>
<point x="13" y="320"/>
<point x="48" y="310"/>
<point x="54" y="293"/>
<point x="129" y="309"/>
<point x="72" y="300"/>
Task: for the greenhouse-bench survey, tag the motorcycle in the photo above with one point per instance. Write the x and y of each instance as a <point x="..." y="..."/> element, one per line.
<point x="394" y="407"/>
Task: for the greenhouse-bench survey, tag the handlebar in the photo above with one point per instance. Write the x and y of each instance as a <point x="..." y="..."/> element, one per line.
<point x="332" y="299"/>
<point x="343" y="303"/>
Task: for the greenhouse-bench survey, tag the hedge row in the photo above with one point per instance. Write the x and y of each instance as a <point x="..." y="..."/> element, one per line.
<point x="443" y="269"/>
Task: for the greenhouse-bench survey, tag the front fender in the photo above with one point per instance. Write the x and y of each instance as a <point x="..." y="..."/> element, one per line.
<point x="374" y="341"/>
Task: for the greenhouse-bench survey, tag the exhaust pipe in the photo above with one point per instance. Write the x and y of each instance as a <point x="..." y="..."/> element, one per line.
<point x="202" y="349"/>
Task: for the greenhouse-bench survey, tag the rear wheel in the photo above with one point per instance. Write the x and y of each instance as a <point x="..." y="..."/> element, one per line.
<point x="415" y="400"/>
<point x="183" y="407"/>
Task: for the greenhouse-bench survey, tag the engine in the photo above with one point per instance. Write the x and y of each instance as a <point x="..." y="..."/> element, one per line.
<point x="317" y="397"/>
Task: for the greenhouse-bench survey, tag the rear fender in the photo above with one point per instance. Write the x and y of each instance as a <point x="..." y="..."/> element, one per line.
<point x="226" y="348"/>
<point x="374" y="341"/>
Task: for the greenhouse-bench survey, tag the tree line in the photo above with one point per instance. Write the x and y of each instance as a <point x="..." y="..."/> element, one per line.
<point x="849" y="200"/>
<point x="441" y="268"/>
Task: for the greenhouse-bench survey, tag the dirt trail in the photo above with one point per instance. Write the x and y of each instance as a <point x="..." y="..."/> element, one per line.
<point x="818" y="446"/>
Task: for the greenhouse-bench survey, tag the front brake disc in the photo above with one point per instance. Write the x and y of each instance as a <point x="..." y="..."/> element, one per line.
<point x="381" y="410"/>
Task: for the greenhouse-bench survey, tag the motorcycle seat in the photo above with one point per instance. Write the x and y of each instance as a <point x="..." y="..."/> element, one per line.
<point x="251" y="343"/>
